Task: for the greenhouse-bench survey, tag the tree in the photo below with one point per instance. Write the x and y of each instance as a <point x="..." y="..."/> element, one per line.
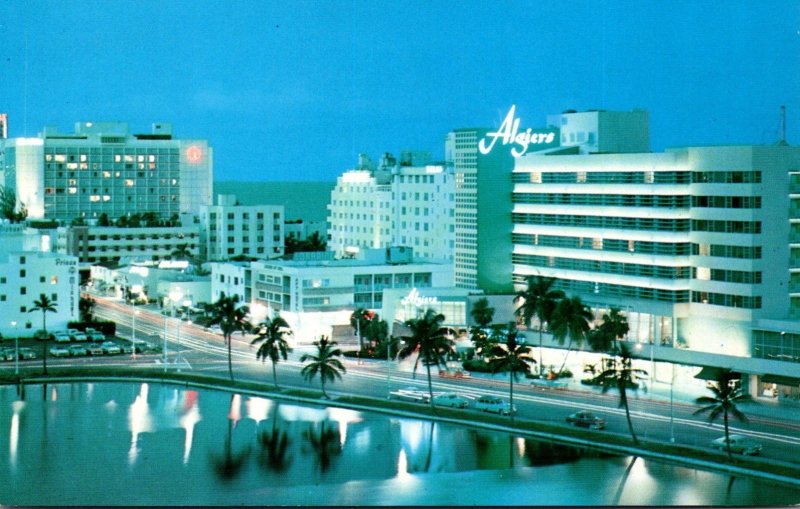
<point x="428" y="342"/>
<point x="513" y="357"/>
<point x="623" y="376"/>
<point x="103" y="220"/>
<point x="377" y="330"/>
<point x="181" y="252"/>
<point x="86" y="308"/>
<point x="604" y="337"/>
<point x="570" y="320"/>
<point x="272" y="336"/>
<point x="45" y="305"/>
<point x="539" y="300"/>
<point x="359" y="320"/>
<point x="727" y="394"/>
<point x="9" y="208"/>
<point x="230" y="315"/>
<point x="325" y="363"/>
<point x="482" y="315"/>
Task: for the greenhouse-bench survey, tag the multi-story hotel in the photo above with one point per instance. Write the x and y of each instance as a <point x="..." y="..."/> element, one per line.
<point x="700" y="246"/>
<point x="401" y="203"/>
<point x="102" y="168"/>
<point x="230" y="230"/>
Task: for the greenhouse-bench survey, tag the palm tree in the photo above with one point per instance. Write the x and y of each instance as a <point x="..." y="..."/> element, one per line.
<point x="482" y="315"/>
<point x="570" y="319"/>
<point x="428" y="341"/>
<point x="325" y="363"/>
<point x="86" y="307"/>
<point x="726" y="396"/>
<point x="271" y="335"/>
<point x="514" y="358"/>
<point x="604" y="337"/>
<point x="623" y="376"/>
<point x="45" y="305"/>
<point x="539" y="299"/>
<point x="359" y="320"/>
<point x="230" y="316"/>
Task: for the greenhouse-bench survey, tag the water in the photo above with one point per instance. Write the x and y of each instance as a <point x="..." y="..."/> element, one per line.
<point x="152" y="444"/>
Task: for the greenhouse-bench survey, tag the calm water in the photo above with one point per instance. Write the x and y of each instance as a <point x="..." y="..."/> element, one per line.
<point x="152" y="444"/>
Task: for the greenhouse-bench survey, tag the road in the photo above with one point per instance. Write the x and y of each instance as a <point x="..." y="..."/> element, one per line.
<point x="205" y="352"/>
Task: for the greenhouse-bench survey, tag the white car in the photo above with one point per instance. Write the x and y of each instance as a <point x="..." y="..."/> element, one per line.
<point x="59" y="351"/>
<point x="61" y="337"/>
<point x="493" y="404"/>
<point x="410" y="394"/>
<point x="450" y="399"/>
<point x="110" y="347"/>
<point x="77" y="335"/>
<point x="740" y="444"/>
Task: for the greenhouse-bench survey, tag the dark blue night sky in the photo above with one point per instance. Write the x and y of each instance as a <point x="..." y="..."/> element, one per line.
<point x="293" y="90"/>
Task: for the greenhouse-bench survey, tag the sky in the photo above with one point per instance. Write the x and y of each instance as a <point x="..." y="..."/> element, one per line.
<point x="295" y="90"/>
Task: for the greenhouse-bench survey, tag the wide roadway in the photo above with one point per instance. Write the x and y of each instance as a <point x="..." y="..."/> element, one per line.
<point x="190" y="347"/>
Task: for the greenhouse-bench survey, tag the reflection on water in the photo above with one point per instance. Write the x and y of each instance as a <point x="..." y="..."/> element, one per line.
<point x="168" y="445"/>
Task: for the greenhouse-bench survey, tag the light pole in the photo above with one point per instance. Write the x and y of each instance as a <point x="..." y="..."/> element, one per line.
<point x="133" y="333"/>
<point x="175" y="296"/>
<point x="16" y="347"/>
<point x="671" y="413"/>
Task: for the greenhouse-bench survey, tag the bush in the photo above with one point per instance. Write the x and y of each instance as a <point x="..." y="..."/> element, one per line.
<point x="477" y="365"/>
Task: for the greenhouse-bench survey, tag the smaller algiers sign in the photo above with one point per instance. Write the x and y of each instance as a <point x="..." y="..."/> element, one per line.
<point x="418" y="300"/>
<point x="509" y="133"/>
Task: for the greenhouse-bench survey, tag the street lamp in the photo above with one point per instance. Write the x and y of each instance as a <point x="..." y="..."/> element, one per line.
<point x="175" y="296"/>
<point x="16" y="346"/>
<point x="133" y="333"/>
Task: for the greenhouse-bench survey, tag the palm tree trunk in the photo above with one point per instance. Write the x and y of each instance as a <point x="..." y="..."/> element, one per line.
<point x="44" y="354"/>
<point x="322" y="381"/>
<point x="230" y="356"/>
<point x="541" y="364"/>
<point x="511" y="394"/>
<point x="569" y="347"/>
<point x="623" y="396"/>
<point x="274" y="375"/>
<point x="727" y="437"/>
<point x="430" y="384"/>
<point x="624" y="481"/>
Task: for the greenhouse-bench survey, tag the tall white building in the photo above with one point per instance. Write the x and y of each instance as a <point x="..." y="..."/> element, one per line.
<point x="102" y="168"/>
<point x="230" y="230"/>
<point x="405" y="203"/>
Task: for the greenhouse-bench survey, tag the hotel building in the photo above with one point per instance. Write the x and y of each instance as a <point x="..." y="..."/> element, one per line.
<point x="102" y="168"/>
<point x="401" y="203"/>
<point x="229" y="230"/>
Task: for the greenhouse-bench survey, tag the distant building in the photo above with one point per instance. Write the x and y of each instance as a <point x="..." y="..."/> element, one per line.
<point x="3" y="125"/>
<point x="405" y="203"/>
<point x="231" y="230"/>
<point x="102" y="168"/>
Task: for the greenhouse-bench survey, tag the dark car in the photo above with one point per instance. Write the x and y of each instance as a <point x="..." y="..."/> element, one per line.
<point x="586" y="419"/>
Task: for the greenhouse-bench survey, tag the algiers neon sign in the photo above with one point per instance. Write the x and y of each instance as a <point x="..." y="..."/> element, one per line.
<point x="418" y="300"/>
<point x="509" y="133"/>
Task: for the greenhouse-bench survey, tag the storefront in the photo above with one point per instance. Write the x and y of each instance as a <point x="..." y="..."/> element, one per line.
<point x="401" y="304"/>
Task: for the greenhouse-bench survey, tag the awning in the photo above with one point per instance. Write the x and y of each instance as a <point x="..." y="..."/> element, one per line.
<point x="712" y="373"/>
<point x="781" y="380"/>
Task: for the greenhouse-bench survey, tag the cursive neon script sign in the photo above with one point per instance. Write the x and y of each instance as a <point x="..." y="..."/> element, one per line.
<point x="418" y="300"/>
<point x="509" y="133"/>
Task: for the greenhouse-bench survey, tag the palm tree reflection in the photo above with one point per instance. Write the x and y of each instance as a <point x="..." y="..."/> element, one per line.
<point x="275" y="447"/>
<point x="229" y="466"/>
<point x="325" y="443"/>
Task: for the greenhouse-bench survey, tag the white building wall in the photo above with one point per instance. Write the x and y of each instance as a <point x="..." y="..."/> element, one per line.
<point x="252" y="230"/>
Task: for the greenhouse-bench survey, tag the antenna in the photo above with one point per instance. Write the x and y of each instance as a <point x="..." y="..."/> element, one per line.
<point x="782" y="141"/>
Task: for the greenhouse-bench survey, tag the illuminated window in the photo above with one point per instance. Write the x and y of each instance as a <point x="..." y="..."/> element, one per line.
<point x="53" y="280"/>
<point x="72" y="190"/>
<point x="703" y="273"/>
<point x="581" y="177"/>
<point x="106" y="174"/>
<point x="61" y="158"/>
<point x="597" y="243"/>
<point x="117" y="158"/>
<point x="94" y="198"/>
<point x="106" y="197"/>
<point x="128" y="158"/>
<point x="704" y="250"/>
<point x="536" y="177"/>
<point x="129" y="183"/>
<point x="631" y="245"/>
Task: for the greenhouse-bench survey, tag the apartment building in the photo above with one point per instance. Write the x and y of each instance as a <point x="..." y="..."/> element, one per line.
<point x="231" y="230"/>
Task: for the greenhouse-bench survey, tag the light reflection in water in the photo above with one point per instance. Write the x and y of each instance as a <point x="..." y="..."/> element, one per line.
<point x="190" y="416"/>
<point x="258" y="408"/>
<point x="235" y="411"/>
<point x="139" y="421"/>
<point x="53" y="394"/>
<point x="13" y="441"/>
<point x="344" y="417"/>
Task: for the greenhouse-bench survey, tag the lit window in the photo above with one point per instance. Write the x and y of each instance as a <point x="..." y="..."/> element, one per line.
<point x="703" y="273"/>
<point x="129" y="183"/>
<point x="53" y="280"/>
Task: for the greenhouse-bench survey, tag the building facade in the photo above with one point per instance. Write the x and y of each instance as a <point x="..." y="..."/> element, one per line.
<point x="230" y="230"/>
<point x="405" y="203"/>
<point x="101" y="168"/>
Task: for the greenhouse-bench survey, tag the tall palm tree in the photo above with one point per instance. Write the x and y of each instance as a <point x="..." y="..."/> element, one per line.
<point x="514" y="358"/>
<point x="623" y="376"/>
<point x="604" y="337"/>
<point x="482" y="315"/>
<point x="45" y="305"/>
<point x="231" y="316"/>
<point x="359" y="320"/>
<point x="570" y="320"/>
<point x="325" y="363"/>
<point x="726" y="396"/>
<point x="539" y="300"/>
<point x="428" y="341"/>
<point x="272" y="336"/>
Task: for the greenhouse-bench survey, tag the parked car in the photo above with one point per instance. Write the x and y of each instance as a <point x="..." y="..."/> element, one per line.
<point x="95" y="335"/>
<point x="410" y="394"/>
<point x="493" y="404"/>
<point x="94" y="349"/>
<point x="59" y="351"/>
<point x="141" y="345"/>
<point x="78" y="351"/>
<point x="6" y="354"/>
<point x="110" y="347"/>
<point x="77" y="335"/>
<point x="26" y="353"/>
<point x="586" y="419"/>
<point x="61" y="337"/>
<point x="740" y="444"/>
<point x="450" y="399"/>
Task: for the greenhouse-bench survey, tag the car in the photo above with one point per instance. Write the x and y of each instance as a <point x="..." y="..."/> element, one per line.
<point x="586" y="419"/>
<point x="77" y="351"/>
<point x="94" y="349"/>
<point x="95" y="335"/>
<point x="493" y="404"/>
<point x="59" y="351"/>
<point x="450" y="399"/>
<point x="410" y="394"/>
<point x="740" y="444"/>
<point x="26" y="353"/>
<point x="61" y="337"/>
<point x="6" y="354"/>
<point x="140" y="345"/>
<point x="215" y="329"/>
<point x="110" y="347"/>
<point x="78" y="335"/>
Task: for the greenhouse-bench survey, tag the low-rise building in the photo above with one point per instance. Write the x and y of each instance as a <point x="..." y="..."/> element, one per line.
<point x="231" y="230"/>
